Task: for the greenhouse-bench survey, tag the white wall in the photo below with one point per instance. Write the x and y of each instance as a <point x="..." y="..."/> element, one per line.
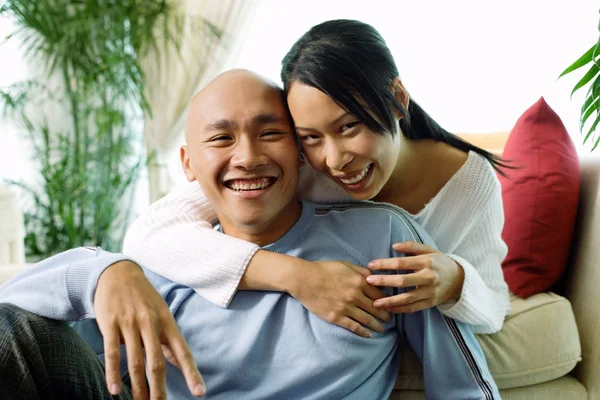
<point x="475" y="66"/>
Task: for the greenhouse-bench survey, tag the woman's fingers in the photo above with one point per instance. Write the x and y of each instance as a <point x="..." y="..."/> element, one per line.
<point x="405" y="299"/>
<point x="135" y="362"/>
<point x="155" y="361"/>
<point x="112" y="358"/>
<point x="413" y="263"/>
<point x="184" y="360"/>
<point x="402" y="281"/>
<point x="366" y="303"/>
<point x="414" y="248"/>
<point x="355" y="327"/>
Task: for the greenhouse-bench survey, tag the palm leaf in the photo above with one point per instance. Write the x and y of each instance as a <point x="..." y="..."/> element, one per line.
<point x="581" y="61"/>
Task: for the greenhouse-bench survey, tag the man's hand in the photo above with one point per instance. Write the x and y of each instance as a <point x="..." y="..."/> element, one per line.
<point x="129" y="310"/>
<point x="337" y="292"/>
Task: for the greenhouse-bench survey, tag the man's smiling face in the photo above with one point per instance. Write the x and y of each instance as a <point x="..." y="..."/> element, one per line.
<point x="242" y="150"/>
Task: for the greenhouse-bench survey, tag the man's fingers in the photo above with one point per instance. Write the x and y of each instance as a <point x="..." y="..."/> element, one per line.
<point x="155" y="361"/>
<point x="400" y="281"/>
<point x="185" y="360"/>
<point x="112" y="358"/>
<point x="135" y="362"/>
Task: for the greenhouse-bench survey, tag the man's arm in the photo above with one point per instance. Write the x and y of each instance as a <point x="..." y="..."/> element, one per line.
<point x="61" y="287"/>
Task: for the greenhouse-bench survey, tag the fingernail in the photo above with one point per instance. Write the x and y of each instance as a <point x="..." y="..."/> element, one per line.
<point x="372" y="264"/>
<point x="376" y="303"/>
<point x="199" y="389"/>
<point x="371" y="279"/>
<point x="114" y="389"/>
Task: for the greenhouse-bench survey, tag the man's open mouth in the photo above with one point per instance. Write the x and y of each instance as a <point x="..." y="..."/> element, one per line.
<point x="243" y="185"/>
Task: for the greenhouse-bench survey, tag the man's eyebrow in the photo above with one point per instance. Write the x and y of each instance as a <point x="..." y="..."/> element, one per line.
<point x="221" y="125"/>
<point x="267" y="118"/>
<point x="334" y="122"/>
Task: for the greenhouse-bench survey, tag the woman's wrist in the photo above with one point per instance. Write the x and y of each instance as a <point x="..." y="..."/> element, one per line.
<point x="272" y="272"/>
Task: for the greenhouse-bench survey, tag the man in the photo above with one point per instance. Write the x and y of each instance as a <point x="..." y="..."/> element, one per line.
<point x="266" y="344"/>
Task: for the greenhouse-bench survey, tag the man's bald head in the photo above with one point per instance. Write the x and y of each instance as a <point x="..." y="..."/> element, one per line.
<point x="242" y="150"/>
<point x="226" y="91"/>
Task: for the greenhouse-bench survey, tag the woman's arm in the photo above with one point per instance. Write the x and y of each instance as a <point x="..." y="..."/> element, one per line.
<point x="174" y="238"/>
<point x="484" y="300"/>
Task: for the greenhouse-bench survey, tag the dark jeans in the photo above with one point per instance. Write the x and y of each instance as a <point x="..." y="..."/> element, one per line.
<point x="42" y="358"/>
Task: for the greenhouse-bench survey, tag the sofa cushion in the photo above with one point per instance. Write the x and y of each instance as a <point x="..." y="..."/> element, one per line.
<point x="565" y="388"/>
<point x="538" y="343"/>
<point x="540" y="200"/>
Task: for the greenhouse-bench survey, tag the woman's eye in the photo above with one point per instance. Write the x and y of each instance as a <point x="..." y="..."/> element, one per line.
<point x="349" y="125"/>
<point x="309" y="139"/>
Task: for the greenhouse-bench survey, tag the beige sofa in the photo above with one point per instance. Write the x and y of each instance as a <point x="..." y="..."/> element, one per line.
<point x="549" y="347"/>
<point x="539" y="354"/>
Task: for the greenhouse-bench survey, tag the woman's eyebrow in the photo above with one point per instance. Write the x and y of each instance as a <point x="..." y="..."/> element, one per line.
<point x="334" y="122"/>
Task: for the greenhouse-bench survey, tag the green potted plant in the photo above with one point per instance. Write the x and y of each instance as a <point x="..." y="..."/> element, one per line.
<point x="90" y="51"/>
<point x="590" y="111"/>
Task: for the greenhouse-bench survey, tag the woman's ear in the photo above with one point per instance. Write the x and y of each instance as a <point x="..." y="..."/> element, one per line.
<point x="401" y="95"/>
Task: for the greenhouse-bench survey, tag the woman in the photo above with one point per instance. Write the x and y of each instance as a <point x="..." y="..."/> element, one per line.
<point x="364" y="138"/>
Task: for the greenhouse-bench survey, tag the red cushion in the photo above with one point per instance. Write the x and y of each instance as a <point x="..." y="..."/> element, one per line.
<point x="540" y="200"/>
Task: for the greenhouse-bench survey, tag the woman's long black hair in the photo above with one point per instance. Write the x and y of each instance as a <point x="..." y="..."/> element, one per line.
<point x="350" y="62"/>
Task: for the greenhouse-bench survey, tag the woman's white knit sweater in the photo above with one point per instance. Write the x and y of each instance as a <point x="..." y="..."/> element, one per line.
<point x="174" y="238"/>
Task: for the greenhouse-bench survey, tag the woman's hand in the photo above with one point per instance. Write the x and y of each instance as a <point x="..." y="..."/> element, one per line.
<point x="436" y="278"/>
<point x="129" y="310"/>
<point x="337" y="292"/>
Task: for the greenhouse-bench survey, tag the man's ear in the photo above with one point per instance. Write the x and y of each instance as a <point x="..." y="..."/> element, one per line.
<point x="185" y="163"/>
<point x="401" y="94"/>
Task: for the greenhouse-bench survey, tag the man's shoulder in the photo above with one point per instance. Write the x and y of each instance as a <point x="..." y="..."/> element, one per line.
<point x="367" y="215"/>
<point x="367" y="209"/>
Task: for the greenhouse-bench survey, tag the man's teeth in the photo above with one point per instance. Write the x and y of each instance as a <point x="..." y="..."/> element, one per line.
<point x="256" y="184"/>
<point x="358" y="177"/>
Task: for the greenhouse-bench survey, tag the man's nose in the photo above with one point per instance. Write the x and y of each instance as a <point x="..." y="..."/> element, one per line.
<point x="248" y="155"/>
<point x="336" y="156"/>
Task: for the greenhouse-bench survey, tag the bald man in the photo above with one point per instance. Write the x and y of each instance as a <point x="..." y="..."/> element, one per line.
<point x="265" y="345"/>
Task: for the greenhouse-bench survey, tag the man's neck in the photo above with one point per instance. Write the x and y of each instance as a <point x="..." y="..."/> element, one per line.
<point x="269" y="231"/>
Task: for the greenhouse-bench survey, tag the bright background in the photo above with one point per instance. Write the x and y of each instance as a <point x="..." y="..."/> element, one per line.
<point x="475" y="66"/>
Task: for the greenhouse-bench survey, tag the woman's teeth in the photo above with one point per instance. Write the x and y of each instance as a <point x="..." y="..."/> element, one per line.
<point x="358" y="177"/>
<point x="255" y="184"/>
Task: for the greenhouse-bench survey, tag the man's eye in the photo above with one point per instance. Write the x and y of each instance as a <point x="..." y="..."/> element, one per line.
<point x="220" y="138"/>
<point x="272" y="133"/>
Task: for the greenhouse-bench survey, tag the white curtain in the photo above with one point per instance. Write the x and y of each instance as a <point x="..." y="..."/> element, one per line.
<point x="175" y="76"/>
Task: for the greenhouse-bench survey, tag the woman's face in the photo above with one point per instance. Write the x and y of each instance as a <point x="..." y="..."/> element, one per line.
<point x="338" y="145"/>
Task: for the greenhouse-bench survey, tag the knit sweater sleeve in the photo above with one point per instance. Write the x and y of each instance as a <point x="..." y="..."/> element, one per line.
<point x="484" y="301"/>
<point x="174" y="238"/>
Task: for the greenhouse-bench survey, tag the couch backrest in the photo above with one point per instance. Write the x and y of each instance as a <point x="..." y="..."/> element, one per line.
<point x="583" y="273"/>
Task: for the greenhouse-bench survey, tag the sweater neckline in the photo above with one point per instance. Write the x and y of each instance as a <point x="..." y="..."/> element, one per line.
<point x="457" y="175"/>
<point x="287" y="241"/>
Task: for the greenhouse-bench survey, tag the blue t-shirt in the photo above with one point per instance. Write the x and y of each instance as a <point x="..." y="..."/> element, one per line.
<point x="265" y="344"/>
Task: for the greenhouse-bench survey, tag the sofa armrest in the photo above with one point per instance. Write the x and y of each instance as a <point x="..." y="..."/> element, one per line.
<point x="583" y="275"/>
